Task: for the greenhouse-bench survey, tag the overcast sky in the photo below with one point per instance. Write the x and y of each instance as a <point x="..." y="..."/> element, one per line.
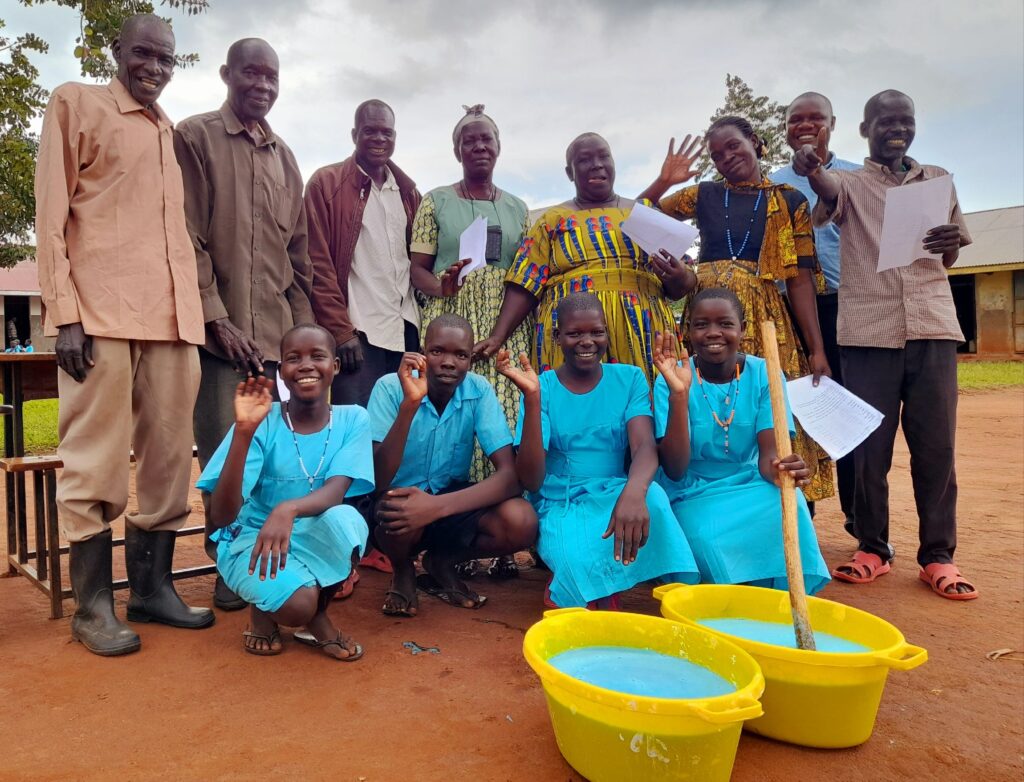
<point x="637" y="72"/>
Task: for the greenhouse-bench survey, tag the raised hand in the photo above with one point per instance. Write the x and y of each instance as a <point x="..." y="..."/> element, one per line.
<point x="808" y="159"/>
<point x="413" y="388"/>
<point x="524" y="377"/>
<point x="450" y="279"/>
<point x="677" y="376"/>
<point x="679" y="166"/>
<point x="252" y="402"/>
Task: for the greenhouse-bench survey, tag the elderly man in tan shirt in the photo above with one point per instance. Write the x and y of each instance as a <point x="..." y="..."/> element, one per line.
<point x="118" y="280"/>
<point x="898" y="333"/>
<point x="244" y="210"/>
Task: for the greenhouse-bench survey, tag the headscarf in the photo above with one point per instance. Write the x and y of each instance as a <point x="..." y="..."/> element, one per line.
<point x="473" y="114"/>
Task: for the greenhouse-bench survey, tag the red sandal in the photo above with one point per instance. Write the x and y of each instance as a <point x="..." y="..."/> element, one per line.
<point x="865" y="568"/>
<point x="943" y="576"/>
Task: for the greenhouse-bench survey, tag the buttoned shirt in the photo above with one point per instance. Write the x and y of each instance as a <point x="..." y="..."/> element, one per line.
<point x="111" y="243"/>
<point x="826" y="237"/>
<point x="247" y="222"/>
<point x="380" y="295"/>
<point x="886" y="309"/>
<point x="439" y="448"/>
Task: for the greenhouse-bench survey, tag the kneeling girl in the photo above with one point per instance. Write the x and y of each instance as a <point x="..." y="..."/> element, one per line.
<point x="285" y="542"/>
<point x="577" y="426"/>
<point x="717" y="449"/>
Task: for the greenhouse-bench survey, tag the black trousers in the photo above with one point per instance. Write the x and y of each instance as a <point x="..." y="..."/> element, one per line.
<point x="828" y="314"/>
<point x="915" y="386"/>
<point x="354" y="388"/>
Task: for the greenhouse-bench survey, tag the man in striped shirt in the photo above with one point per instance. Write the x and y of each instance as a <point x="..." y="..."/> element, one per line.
<point x="898" y="333"/>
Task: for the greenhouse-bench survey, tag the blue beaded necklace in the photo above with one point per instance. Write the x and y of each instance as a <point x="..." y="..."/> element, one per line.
<point x="728" y="231"/>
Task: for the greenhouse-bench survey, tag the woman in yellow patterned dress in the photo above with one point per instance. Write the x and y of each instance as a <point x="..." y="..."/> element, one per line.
<point x="579" y="246"/>
<point x="753" y="235"/>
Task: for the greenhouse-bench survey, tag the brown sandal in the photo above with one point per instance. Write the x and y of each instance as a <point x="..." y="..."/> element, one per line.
<point x="345" y="643"/>
<point x="270" y="651"/>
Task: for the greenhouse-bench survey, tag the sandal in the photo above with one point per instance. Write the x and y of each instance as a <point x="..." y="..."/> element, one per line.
<point x="503" y="568"/>
<point x="397" y="604"/>
<point x="864" y="568"/>
<point x="467" y="569"/>
<point x="270" y="651"/>
<point x="345" y="643"/>
<point x="376" y="560"/>
<point x="347" y="586"/>
<point x="453" y="597"/>
<point x="943" y="576"/>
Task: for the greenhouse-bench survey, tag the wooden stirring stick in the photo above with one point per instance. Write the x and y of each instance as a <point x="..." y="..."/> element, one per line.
<point x="790" y="537"/>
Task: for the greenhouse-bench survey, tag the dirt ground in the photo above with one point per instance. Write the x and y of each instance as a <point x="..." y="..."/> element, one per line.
<point x="192" y="705"/>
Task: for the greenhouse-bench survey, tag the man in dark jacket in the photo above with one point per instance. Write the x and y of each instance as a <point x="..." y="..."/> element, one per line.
<point x="360" y="214"/>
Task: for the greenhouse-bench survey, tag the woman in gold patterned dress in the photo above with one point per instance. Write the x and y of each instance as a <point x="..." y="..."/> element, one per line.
<point x="753" y="235"/>
<point x="579" y="246"/>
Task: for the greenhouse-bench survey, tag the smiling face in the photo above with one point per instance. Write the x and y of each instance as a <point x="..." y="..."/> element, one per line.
<point x="478" y="149"/>
<point x="308" y="364"/>
<point x="716" y="328"/>
<point x="449" y="350"/>
<point x="251" y="75"/>
<point x="733" y="155"/>
<point x="889" y="127"/>
<point x="144" y="53"/>
<point x="374" y="136"/>
<point x="805" y="117"/>
<point x="592" y="169"/>
<point x="583" y="337"/>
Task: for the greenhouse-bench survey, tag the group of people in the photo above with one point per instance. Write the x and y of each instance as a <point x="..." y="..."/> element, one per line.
<point x="188" y="270"/>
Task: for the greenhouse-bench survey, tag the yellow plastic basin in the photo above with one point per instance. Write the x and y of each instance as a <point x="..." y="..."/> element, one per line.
<point x="815" y="699"/>
<point x="616" y="737"/>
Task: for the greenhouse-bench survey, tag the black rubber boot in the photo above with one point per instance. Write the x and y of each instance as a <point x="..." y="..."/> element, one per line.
<point x="153" y="598"/>
<point x="224" y="598"/>
<point x="94" y="624"/>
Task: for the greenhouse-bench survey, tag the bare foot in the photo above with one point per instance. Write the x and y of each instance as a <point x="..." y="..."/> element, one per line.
<point x="400" y="599"/>
<point x="330" y="640"/>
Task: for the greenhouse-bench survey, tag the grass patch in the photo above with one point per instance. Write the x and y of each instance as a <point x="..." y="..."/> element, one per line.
<point x="40" y="426"/>
<point x="975" y="375"/>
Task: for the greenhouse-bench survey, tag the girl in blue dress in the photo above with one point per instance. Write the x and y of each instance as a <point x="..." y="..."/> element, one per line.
<point x="285" y="542"/>
<point x="713" y="418"/>
<point x="603" y="528"/>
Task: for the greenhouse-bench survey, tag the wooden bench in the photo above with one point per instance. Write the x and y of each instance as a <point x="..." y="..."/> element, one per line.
<point x="41" y="565"/>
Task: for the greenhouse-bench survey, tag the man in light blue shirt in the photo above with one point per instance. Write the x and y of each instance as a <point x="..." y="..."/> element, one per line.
<point x="809" y="120"/>
<point x="423" y="421"/>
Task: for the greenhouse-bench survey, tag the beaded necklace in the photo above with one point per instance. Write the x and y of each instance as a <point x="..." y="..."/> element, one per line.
<point x="731" y="395"/>
<point x="316" y="473"/>
<point x="728" y="230"/>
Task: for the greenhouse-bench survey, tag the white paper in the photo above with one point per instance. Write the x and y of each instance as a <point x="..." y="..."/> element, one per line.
<point x="910" y="212"/>
<point x="654" y="231"/>
<point x="473" y="245"/>
<point x="836" y="419"/>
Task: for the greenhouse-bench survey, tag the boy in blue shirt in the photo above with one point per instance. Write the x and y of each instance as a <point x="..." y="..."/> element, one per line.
<point x="423" y="421"/>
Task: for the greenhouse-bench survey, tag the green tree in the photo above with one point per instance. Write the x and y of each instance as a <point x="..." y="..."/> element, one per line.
<point x="22" y="100"/>
<point x="766" y="116"/>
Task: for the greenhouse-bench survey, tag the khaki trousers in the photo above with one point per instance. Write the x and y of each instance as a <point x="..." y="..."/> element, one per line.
<point x="140" y="395"/>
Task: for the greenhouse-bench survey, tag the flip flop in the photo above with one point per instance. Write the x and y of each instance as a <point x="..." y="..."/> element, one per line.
<point x="503" y="568"/>
<point x="404" y="608"/>
<point x="866" y="568"/>
<point x="347" y="586"/>
<point x="453" y="597"/>
<point x="376" y="560"/>
<point x="940" y="576"/>
<point x="349" y="645"/>
<point x="270" y="651"/>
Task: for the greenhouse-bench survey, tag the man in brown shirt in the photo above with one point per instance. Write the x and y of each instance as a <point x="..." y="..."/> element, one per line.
<point x="118" y="280"/>
<point x="897" y="334"/>
<point x="244" y="210"/>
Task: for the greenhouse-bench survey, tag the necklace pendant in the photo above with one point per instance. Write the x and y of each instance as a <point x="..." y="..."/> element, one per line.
<point x="727" y="400"/>
<point x="734" y="257"/>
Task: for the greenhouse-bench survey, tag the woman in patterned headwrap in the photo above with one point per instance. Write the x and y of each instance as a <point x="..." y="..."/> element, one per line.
<point x="579" y="246"/>
<point x="755" y="234"/>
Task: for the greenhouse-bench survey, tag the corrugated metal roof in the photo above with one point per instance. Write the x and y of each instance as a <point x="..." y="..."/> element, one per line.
<point x="998" y="236"/>
<point x="22" y="279"/>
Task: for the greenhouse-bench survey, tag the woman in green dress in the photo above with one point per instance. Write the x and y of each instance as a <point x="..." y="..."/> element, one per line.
<point x="443" y="215"/>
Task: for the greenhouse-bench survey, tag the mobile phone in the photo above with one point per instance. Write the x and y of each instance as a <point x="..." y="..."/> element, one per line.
<point x="492" y="252"/>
